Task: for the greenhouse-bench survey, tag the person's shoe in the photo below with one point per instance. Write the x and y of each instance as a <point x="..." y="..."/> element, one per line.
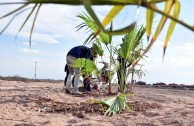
<point x="76" y="92"/>
<point x="67" y="91"/>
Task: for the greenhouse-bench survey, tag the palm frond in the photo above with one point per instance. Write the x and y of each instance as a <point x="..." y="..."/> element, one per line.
<point x="27" y="18"/>
<point x="87" y="66"/>
<point x="13" y="19"/>
<point x="92" y="27"/>
<point x="32" y="29"/>
<point x="14" y="11"/>
<point x="115" y="104"/>
<point x="98" y="48"/>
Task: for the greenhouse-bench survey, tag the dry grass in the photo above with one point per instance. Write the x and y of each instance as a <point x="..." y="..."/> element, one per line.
<point x="23" y="79"/>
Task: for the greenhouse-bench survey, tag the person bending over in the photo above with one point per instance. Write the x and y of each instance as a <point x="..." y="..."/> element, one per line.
<point x="72" y="55"/>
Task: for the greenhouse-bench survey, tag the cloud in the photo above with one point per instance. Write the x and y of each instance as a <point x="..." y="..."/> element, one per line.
<point x="187" y="48"/>
<point x="32" y="51"/>
<point x="178" y="54"/>
<point x="44" y="38"/>
<point x="40" y="37"/>
<point x="178" y="63"/>
<point x="53" y="20"/>
<point x="28" y="44"/>
<point x="60" y="22"/>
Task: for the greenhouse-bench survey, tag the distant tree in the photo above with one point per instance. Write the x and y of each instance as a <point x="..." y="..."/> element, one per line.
<point x="141" y="83"/>
<point x="159" y="84"/>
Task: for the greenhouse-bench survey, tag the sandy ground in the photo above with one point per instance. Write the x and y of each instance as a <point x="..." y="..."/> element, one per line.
<point x="18" y="109"/>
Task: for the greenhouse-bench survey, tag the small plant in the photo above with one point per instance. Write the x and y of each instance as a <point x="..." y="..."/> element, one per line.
<point x="86" y="67"/>
<point x="115" y="104"/>
<point x="128" y="51"/>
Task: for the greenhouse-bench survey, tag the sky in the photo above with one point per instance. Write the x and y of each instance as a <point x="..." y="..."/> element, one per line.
<point x="55" y="34"/>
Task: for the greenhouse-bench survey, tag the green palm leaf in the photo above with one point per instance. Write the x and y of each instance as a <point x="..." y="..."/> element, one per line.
<point x="90" y="25"/>
<point x="172" y="24"/>
<point x="139" y="36"/>
<point x="124" y="30"/>
<point x="32" y="29"/>
<point x="168" y="8"/>
<point x="149" y="22"/>
<point x="131" y="43"/>
<point x="14" y="11"/>
<point x="27" y="18"/>
<point x="13" y="19"/>
<point x="115" y="104"/>
<point x="98" y="49"/>
<point x="87" y="66"/>
<point x="112" y="14"/>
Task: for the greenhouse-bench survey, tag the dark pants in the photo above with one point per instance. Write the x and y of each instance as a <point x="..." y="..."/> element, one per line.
<point x="87" y="82"/>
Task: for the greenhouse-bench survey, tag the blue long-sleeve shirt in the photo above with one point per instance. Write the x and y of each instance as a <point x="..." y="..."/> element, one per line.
<point x="80" y="52"/>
